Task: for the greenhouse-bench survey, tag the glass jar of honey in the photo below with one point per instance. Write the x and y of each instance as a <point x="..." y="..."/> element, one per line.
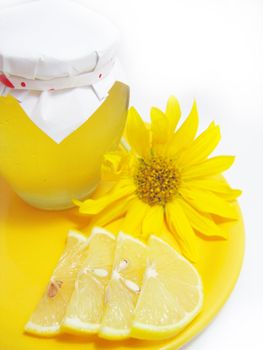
<point x="62" y="101"/>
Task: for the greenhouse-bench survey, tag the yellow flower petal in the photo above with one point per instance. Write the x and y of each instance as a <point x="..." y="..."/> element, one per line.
<point x="173" y="112"/>
<point x="202" y="222"/>
<point x="137" y="134"/>
<point x="212" y="166"/>
<point x="153" y="221"/>
<point x="114" y="159"/>
<point x="159" y="126"/>
<point x="209" y="202"/>
<point x="231" y="195"/>
<point x="219" y="186"/>
<point x="111" y="213"/>
<point x="113" y="165"/>
<point x="179" y="224"/>
<point x="185" y="134"/>
<point x="201" y="147"/>
<point x="132" y="222"/>
<point x="95" y="206"/>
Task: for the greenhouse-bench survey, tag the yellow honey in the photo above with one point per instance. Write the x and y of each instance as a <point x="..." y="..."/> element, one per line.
<point x="49" y="175"/>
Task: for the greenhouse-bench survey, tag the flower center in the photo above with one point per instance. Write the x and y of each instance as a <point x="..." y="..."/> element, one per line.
<point x="157" y="180"/>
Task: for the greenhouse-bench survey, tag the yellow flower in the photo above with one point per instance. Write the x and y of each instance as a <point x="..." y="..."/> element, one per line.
<point x="164" y="178"/>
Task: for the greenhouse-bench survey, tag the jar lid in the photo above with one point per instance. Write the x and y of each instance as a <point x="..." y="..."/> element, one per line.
<point x="57" y="58"/>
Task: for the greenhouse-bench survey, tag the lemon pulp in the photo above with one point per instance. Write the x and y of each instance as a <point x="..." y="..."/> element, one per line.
<point x="49" y="175"/>
<point x="49" y="313"/>
<point x="171" y="294"/>
<point x="123" y="288"/>
<point x="86" y="307"/>
<point x="119" y="289"/>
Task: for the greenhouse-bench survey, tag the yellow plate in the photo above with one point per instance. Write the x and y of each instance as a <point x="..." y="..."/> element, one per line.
<point x="31" y="242"/>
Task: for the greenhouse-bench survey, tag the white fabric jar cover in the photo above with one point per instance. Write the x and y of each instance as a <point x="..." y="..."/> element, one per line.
<point x="58" y="59"/>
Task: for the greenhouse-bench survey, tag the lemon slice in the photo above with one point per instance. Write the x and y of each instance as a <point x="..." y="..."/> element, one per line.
<point x="86" y="307"/>
<point x="47" y="318"/>
<point x="171" y="294"/>
<point x="123" y="288"/>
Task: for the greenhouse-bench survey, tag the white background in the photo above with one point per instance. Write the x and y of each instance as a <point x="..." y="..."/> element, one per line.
<point x="211" y="51"/>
